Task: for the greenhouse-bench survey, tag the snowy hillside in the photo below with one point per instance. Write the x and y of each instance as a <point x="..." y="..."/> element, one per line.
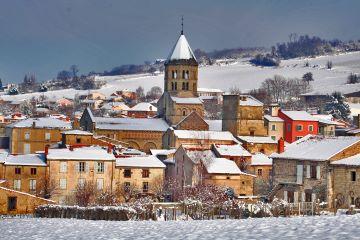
<point x="319" y="227"/>
<point x="240" y="74"/>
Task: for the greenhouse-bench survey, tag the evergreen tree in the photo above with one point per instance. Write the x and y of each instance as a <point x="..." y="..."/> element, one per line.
<point x="337" y="106"/>
<point x="308" y="77"/>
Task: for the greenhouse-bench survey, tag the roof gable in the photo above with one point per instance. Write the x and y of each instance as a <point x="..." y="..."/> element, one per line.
<point x="193" y="121"/>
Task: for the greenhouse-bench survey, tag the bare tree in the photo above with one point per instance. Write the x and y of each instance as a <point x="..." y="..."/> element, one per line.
<point x="85" y="193"/>
<point x="46" y="188"/>
<point x="126" y="192"/>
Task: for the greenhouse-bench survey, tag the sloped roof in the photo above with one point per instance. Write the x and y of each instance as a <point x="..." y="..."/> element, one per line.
<point x="41" y="123"/>
<point x="273" y="118"/>
<point x="143" y="106"/>
<point x="231" y="150"/>
<point x="349" y="161"/>
<point x="211" y="135"/>
<point x="82" y="153"/>
<point x="145" y="124"/>
<point x="77" y="132"/>
<point x="25" y="160"/>
<point x="181" y="50"/>
<point x="221" y="166"/>
<point x="162" y="151"/>
<point x="317" y="148"/>
<point x="145" y="161"/>
<point x="260" y="159"/>
<point x="257" y="139"/>
<point x="250" y="101"/>
<point x="214" y="125"/>
<point x="299" y="115"/>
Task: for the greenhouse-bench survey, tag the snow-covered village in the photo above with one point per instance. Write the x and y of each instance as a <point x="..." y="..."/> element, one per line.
<point x="229" y="131"/>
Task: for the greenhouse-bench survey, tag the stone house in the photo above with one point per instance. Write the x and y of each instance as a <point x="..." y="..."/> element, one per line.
<point x="14" y="202"/>
<point x="243" y="115"/>
<point x="344" y="183"/>
<point x="196" y="139"/>
<point x="139" y="133"/>
<point x="70" y="167"/>
<point x="33" y="134"/>
<point x="302" y="171"/>
<point x="255" y="144"/>
<point x="142" y="110"/>
<point x="25" y="173"/>
<point x="144" y="173"/>
<point x="274" y="124"/>
<point x="236" y="153"/>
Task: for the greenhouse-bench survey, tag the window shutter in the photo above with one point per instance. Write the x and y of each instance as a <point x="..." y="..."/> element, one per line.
<point x="285" y="195"/>
<point x="299" y="174"/>
<point x="104" y="167"/>
<point x="303" y="196"/>
<point x="77" y="166"/>
<point x="87" y="167"/>
<point x="296" y="197"/>
<point x="96" y="165"/>
<point x="318" y="174"/>
<point x="313" y="197"/>
<point x="308" y="171"/>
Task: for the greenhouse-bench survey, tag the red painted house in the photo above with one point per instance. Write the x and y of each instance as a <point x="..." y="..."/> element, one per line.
<point x="298" y="124"/>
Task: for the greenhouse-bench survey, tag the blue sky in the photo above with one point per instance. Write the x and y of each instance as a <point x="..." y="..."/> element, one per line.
<point x="44" y="37"/>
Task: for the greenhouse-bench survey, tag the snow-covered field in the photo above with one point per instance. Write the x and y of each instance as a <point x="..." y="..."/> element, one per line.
<point x="240" y="74"/>
<point x="319" y="227"/>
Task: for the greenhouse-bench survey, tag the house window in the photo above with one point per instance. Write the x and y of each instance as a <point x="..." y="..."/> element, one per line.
<point x="47" y="136"/>
<point x="63" y="167"/>
<point x="126" y="186"/>
<point x="17" y="170"/>
<point x="27" y="136"/>
<point x="63" y="183"/>
<point x="308" y="196"/>
<point x="82" y="166"/>
<point x="100" y="183"/>
<point x="127" y="173"/>
<point x="12" y="202"/>
<point x="17" y="184"/>
<point x="352" y="200"/>
<point x="100" y="167"/>
<point x="299" y="127"/>
<point x="145" y="187"/>
<point x="273" y="127"/>
<point x="78" y="140"/>
<point x="311" y="128"/>
<point x="313" y="171"/>
<point x="32" y="184"/>
<point x="273" y="138"/>
<point x="145" y="173"/>
<point x="353" y="176"/>
<point x="33" y="171"/>
<point x="81" y="182"/>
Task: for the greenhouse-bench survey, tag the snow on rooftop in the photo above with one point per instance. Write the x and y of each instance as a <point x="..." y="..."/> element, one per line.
<point x="186" y="100"/>
<point x="221" y="166"/>
<point x="273" y="118"/>
<point x="214" y="125"/>
<point x="144" y="106"/>
<point x="25" y="160"/>
<point x="82" y="153"/>
<point x="181" y="50"/>
<point x="232" y="150"/>
<point x="317" y="148"/>
<point x="112" y="105"/>
<point x="325" y="119"/>
<point x="210" y="90"/>
<point x="260" y="159"/>
<point x="257" y="139"/>
<point x="299" y="115"/>
<point x="351" y="161"/>
<point x="197" y="155"/>
<point x="77" y="132"/>
<point x="248" y="100"/>
<point x="206" y="135"/>
<point x="140" y="162"/>
<point x="162" y="151"/>
<point x="41" y="123"/>
<point x="132" y="124"/>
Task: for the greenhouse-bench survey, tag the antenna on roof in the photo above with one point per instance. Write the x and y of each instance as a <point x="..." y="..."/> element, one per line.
<point x="182" y="24"/>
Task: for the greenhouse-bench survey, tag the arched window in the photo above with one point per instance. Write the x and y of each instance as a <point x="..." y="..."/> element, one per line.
<point x="172" y="86"/>
<point x="173" y="74"/>
<point x="183" y="86"/>
<point x="187" y="75"/>
<point x="175" y="85"/>
<point x="187" y="86"/>
<point x="183" y="75"/>
<point x="184" y="113"/>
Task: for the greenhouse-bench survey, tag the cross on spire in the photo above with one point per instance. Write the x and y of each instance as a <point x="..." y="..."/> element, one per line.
<point x="182" y="25"/>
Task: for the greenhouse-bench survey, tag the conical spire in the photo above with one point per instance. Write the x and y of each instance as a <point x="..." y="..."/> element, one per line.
<point x="181" y="50"/>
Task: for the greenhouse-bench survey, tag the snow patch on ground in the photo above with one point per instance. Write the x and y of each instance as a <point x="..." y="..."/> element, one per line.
<point x="319" y="227"/>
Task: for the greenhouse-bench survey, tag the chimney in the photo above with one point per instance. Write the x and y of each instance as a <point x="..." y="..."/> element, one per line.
<point x="110" y="148"/>
<point x="46" y="152"/>
<point x="281" y="145"/>
<point x="274" y="110"/>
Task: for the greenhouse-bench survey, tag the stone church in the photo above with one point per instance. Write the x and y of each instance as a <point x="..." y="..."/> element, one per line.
<point x="180" y="105"/>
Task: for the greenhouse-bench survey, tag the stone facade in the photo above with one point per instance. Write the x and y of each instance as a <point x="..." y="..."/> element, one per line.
<point x="243" y="115"/>
<point x="193" y="121"/>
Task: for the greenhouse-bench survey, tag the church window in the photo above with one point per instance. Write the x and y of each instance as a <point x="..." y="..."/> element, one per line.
<point x="172" y="86"/>
<point x="187" y="75"/>
<point x="175" y="85"/>
<point x="174" y="74"/>
<point x="187" y="86"/>
<point x="183" y="74"/>
<point x="184" y="113"/>
<point x="183" y="86"/>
